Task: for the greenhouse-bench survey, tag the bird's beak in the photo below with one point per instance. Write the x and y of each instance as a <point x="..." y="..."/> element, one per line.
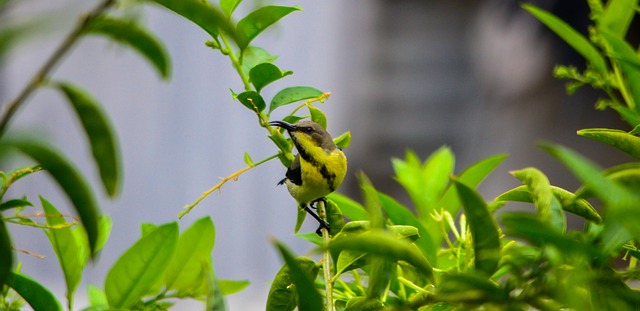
<point x="284" y="125"/>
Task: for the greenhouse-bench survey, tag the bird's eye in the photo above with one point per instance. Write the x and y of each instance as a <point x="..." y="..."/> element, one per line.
<point x="308" y="130"/>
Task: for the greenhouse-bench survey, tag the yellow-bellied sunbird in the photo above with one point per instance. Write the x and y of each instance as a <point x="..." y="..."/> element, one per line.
<point x="317" y="170"/>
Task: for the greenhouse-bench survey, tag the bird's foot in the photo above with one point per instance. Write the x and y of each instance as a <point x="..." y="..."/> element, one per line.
<point x="315" y="203"/>
<point x="323" y="224"/>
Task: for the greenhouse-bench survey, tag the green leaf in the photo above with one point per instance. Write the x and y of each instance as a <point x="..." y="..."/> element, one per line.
<point x="349" y="260"/>
<point x="36" y="295"/>
<point x="364" y="304"/>
<point x="6" y="254"/>
<point x="247" y="159"/>
<point x="570" y="202"/>
<point x="300" y="272"/>
<point x="629" y="62"/>
<point x="96" y="296"/>
<point x="253" y="55"/>
<point x="546" y="203"/>
<point x="425" y="183"/>
<point x="185" y="272"/>
<point x="386" y="245"/>
<point x="621" y="140"/>
<point x="401" y="215"/>
<point x="202" y="14"/>
<point x="257" y="21"/>
<point x="454" y="287"/>
<point x="7" y="205"/>
<point x="228" y="287"/>
<point x="293" y="94"/>
<point x="252" y="100"/>
<point x="572" y="37"/>
<point x="621" y="203"/>
<point x="350" y="208"/>
<point x="334" y="217"/>
<point x="228" y="6"/>
<point x="140" y="267"/>
<point x="136" y="37"/>
<point x="631" y="117"/>
<point x="529" y="227"/>
<point x="617" y="16"/>
<point x="66" y="246"/>
<point x="318" y="116"/>
<point x="343" y="141"/>
<point x="100" y="134"/>
<point x="69" y="179"/>
<point x="263" y="74"/>
<point x="628" y="177"/>
<point x="484" y="230"/>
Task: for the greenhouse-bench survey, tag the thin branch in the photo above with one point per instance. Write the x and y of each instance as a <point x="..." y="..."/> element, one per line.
<point x="43" y="73"/>
<point x="326" y="260"/>
<point x="223" y="181"/>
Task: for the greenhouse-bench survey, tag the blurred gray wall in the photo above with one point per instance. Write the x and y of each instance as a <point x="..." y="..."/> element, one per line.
<point x="403" y="75"/>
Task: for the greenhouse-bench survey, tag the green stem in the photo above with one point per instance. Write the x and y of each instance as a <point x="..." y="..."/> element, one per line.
<point x="43" y="73"/>
<point x="623" y="88"/>
<point x="236" y="63"/>
<point x="326" y="261"/>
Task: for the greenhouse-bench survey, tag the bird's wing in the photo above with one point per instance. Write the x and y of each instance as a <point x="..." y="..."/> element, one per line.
<point x="294" y="174"/>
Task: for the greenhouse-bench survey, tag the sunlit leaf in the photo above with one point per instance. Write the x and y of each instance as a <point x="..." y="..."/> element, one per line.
<point x="570" y="202"/>
<point x="546" y="203"/>
<point x="293" y="94"/>
<point x="621" y="140"/>
<point x="96" y="297"/>
<point x="350" y="208"/>
<point x="100" y="134"/>
<point x="228" y="6"/>
<point x="66" y="246"/>
<point x="140" y="267"/>
<point x="343" y="141"/>
<point x="617" y="16"/>
<point x="572" y="37"/>
<point x="136" y="37"/>
<point x="228" y="287"/>
<point x="318" y="116"/>
<point x="257" y="21"/>
<point x="185" y="272"/>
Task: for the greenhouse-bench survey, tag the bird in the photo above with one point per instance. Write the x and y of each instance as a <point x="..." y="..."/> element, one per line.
<point x="317" y="170"/>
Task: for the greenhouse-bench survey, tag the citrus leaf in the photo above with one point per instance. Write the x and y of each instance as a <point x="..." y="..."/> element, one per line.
<point x="293" y="94"/>
<point x="66" y="246"/>
<point x="228" y="6"/>
<point x="617" y="16"/>
<point x="136" y="37"/>
<point x="253" y="55"/>
<point x="202" y="14"/>
<point x="185" y="272"/>
<point x="68" y="178"/>
<point x="252" y="100"/>
<point x="6" y="254"/>
<point x="350" y="208"/>
<point x="7" y="205"/>
<point x="619" y="139"/>
<point x="386" y="245"/>
<point x="140" y="266"/>
<point x="300" y="272"/>
<point x="343" y="141"/>
<point x="570" y="202"/>
<point x="100" y="134"/>
<point x="36" y="295"/>
<point x="257" y="21"/>
<point x="318" y="116"/>
<point x="484" y="230"/>
<point x="263" y="74"/>
<point x="228" y="287"/>
<point x="546" y="203"/>
<point x="572" y="37"/>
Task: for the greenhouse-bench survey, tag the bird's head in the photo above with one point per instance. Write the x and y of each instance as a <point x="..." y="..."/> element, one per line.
<point x="307" y="133"/>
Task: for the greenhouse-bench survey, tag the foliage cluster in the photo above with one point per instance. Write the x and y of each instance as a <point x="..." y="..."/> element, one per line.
<point x="449" y="250"/>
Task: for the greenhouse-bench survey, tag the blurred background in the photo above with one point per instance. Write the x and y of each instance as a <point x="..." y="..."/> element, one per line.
<point x="409" y="74"/>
